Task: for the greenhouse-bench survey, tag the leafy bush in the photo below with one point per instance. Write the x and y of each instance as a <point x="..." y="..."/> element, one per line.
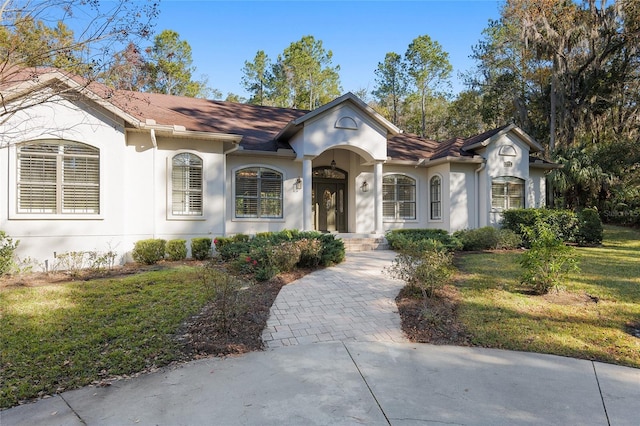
<point x="398" y="239"/>
<point x="149" y="251"/>
<point x="563" y="223"/>
<point x="230" y="248"/>
<point x="200" y="248"/>
<point x="549" y="260"/>
<point x="589" y="228"/>
<point x="507" y="239"/>
<point x="285" y="256"/>
<point x="176" y="249"/>
<point x="426" y="266"/>
<point x="485" y="238"/>
<point x="7" y="249"/>
<point x="269" y="253"/>
<point x="310" y="252"/>
<point x="332" y="250"/>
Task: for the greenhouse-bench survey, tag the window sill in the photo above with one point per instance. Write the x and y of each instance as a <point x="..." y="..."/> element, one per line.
<point x="400" y="220"/>
<point x="54" y="216"/>
<point x="258" y="219"/>
<point x="187" y="218"/>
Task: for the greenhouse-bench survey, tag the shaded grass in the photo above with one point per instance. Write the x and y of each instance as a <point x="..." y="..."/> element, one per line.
<point x="588" y="318"/>
<point x="62" y="336"/>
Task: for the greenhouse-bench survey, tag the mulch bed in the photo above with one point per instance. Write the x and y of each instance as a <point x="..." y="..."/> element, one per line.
<point x="433" y="320"/>
<point x="206" y="335"/>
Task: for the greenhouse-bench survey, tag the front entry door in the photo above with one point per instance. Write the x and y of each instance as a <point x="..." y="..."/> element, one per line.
<point x="329" y="203"/>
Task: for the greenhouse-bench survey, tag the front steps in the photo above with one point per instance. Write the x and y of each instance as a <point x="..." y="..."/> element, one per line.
<point x="363" y="242"/>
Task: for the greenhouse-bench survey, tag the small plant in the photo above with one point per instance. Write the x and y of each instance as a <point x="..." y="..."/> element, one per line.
<point x="225" y="289"/>
<point x="176" y="249"/>
<point x="549" y="260"/>
<point x="7" y="249"/>
<point x="201" y="248"/>
<point x="149" y="251"/>
<point x="72" y="262"/>
<point x="426" y="268"/>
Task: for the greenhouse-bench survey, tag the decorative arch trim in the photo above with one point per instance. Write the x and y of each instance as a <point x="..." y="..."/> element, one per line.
<point x="346" y="122"/>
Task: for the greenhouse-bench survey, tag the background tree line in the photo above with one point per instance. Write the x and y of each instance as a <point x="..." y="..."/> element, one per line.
<point x="567" y="72"/>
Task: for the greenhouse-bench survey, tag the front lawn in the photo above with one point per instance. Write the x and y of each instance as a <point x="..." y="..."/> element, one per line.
<point x="596" y="315"/>
<point x="63" y="335"/>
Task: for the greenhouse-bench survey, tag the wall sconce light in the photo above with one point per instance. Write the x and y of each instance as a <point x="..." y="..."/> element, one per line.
<point x="333" y="162"/>
<point x="297" y="185"/>
<point x="364" y="186"/>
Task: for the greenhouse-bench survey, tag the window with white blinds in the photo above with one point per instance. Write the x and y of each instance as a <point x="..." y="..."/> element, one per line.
<point x="258" y="193"/>
<point x="507" y="193"/>
<point x="186" y="185"/>
<point x="398" y="197"/>
<point x="58" y="177"/>
<point x="435" y="193"/>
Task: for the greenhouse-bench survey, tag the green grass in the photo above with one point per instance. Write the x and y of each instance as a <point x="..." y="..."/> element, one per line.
<point x="62" y="336"/>
<point x="497" y="313"/>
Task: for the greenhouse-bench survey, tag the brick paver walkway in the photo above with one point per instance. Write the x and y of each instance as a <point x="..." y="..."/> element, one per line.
<point x="353" y="301"/>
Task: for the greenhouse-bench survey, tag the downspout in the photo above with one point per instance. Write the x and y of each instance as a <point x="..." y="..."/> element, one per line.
<point x="154" y="142"/>
<point x="477" y="197"/>
<point x="224" y="191"/>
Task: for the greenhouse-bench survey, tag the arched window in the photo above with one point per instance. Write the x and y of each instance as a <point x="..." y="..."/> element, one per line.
<point x="58" y="177"/>
<point x="435" y="191"/>
<point x="398" y="197"/>
<point x="507" y="193"/>
<point x="186" y="185"/>
<point x="258" y="193"/>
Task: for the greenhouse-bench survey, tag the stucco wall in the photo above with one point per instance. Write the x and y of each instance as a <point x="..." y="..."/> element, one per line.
<point x="292" y="199"/>
<point x="43" y="235"/>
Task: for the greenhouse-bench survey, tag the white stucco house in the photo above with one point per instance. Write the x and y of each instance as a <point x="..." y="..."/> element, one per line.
<point x="96" y="169"/>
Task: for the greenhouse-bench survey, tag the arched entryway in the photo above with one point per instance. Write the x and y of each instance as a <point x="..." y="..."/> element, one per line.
<point x="329" y="199"/>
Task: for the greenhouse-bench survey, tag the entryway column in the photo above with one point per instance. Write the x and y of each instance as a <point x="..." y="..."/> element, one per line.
<point x="307" y="214"/>
<point x="377" y="189"/>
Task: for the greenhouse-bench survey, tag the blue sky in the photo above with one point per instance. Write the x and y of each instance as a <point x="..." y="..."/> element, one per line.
<point x="224" y="34"/>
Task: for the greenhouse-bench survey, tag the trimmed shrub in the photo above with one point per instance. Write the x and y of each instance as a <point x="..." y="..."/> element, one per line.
<point x="149" y="251"/>
<point x="7" y="249"/>
<point x="563" y="223"/>
<point x="176" y="249"/>
<point x="485" y="238"/>
<point x="400" y="238"/>
<point x="200" y="248"/>
<point x="589" y="228"/>
<point x="332" y="250"/>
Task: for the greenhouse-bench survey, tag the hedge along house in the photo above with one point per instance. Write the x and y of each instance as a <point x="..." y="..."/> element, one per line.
<point x="92" y="169"/>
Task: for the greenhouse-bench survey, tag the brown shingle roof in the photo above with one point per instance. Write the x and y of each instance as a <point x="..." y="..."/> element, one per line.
<point x="257" y="124"/>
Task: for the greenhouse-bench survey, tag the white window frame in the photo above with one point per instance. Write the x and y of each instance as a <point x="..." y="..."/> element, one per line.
<point x="170" y="214"/>
<point x="505" y="181"/>
<point x="396" y="202"/>
<point x="235" y="218"/>
<point x="13" y="163"/>
<point x="433" y="218"/>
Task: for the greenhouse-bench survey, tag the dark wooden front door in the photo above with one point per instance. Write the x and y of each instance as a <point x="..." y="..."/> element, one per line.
<point x="329" y="202"/>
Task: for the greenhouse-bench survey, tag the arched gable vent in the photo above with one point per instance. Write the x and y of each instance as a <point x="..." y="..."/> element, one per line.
<point x="346" y="123"/>
<point x="507" y="151"/>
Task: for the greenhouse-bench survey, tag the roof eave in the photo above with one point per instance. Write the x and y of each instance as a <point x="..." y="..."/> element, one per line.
<point x="476" y="159"/>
